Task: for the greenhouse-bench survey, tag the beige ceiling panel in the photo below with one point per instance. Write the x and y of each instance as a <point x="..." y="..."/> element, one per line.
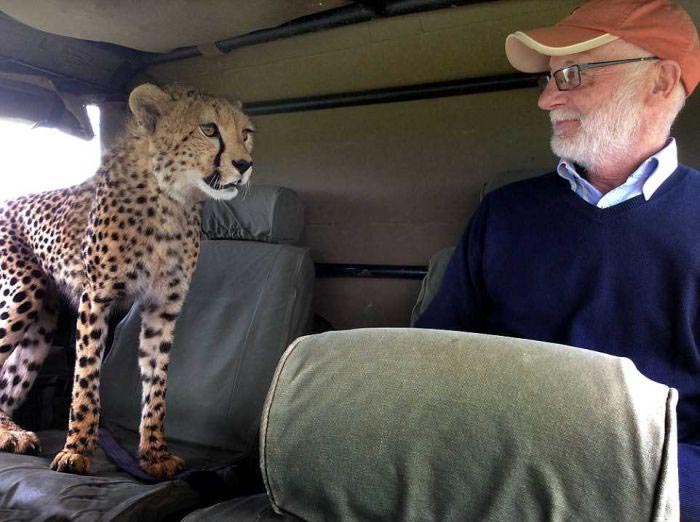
<point x="440" y="45"/>
<point x="162" y="25"/>
<point x="399" y="26"/>
<point x="503" y="11"/>
<point x="159" y="25"/>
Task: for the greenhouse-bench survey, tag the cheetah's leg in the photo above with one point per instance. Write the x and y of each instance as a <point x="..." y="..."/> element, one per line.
<point x="76" y="455"/>
<point x="154" y="357"/>
<point x="16" y="378"/>
<point x="27" y="323"/>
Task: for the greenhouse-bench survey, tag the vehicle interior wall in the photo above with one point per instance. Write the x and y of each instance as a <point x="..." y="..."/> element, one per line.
<point x="391" y="183"/>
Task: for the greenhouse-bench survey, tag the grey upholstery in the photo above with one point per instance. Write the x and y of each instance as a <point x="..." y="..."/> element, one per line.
<point x="30" y="491"/>
<point x="509" y="176"/>
<point x="438" y="263"/>
<point x="264" y="213"/>
<point x="244" y="307"/>
<point x="409" y="424"/>
<point x="432" y="281"/>
<point x="255" y="508"/>
<point x="247" y="301"/>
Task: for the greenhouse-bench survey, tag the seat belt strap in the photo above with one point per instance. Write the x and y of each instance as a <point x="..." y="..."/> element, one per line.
<point x="210" y="486"/>
<point x="120" y="457"/>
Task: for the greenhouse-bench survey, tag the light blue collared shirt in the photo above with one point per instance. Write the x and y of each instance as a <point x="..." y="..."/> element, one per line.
<point x="645" y="180"/>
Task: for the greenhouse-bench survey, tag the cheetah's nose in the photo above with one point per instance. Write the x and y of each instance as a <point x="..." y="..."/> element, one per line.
<point x="242" y="165"/>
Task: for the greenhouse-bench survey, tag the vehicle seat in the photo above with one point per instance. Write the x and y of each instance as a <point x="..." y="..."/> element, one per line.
<point x="432" y="281"/>
<point x="419" y="425"/>
<point x="438" y="263"/>
<point x="507" y="177"/>
<point x="249" y="298"/>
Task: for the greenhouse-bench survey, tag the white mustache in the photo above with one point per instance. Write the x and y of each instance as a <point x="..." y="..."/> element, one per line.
<point x="562" y="115"/>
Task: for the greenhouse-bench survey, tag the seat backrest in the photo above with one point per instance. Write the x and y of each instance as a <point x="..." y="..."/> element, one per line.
<point x="432" y="281"/>
<point x="438" y="263"/>
<point x="411" y="424"/>
<point x="250" y="297"/>
<point x="507" y="177"/>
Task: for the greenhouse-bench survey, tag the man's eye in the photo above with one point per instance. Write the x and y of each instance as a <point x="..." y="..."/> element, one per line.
<point x="209" y="129"/>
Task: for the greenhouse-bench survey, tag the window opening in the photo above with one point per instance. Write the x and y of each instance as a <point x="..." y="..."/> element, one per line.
<point x="39" y="159"/>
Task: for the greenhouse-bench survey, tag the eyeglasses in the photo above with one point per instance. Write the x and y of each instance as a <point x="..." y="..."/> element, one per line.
<point x="570" y="77"/>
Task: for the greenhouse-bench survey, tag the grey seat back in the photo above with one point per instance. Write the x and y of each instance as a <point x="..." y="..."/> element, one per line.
<point x="420" y="425"/>
<point x="438" y="263"/>
<point x="249" y="298"/>
<point x="507" y="177"/>
<point x="432" y="281"/>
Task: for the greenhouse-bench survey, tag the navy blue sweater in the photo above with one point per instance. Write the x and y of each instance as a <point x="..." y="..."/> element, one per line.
<point x="538" y="262"/>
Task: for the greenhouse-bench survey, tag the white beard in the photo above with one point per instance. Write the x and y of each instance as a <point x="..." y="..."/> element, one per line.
<point x="605" y="133"/>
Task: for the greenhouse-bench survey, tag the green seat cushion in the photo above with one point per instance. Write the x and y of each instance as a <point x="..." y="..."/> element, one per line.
<point x="401" y="424"/>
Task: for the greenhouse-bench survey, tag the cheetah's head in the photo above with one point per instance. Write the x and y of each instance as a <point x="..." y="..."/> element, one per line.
<point x="200" y="145"/>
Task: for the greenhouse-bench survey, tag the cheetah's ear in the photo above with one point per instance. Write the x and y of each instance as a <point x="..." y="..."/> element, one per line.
<point x="148" y="103"/>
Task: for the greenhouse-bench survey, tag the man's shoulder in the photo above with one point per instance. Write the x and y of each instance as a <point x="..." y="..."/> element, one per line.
<point x="692" y="173"/>
<point x="686" y="177"/>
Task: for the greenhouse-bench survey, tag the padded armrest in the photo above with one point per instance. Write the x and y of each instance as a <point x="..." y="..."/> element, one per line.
<point x="400" y="424"/>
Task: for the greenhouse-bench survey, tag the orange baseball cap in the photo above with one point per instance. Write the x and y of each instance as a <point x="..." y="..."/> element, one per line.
<point x="659" y="26"/>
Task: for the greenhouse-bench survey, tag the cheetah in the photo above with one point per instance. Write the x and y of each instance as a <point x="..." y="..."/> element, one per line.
<point x="129" y="234"/>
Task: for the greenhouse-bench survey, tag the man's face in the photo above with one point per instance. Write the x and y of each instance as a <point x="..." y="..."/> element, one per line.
<point x="600" y="118"/>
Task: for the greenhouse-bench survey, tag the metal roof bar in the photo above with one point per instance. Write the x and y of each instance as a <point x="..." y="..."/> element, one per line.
<point x="395" y="94"/>
<point x="370" y="271"/>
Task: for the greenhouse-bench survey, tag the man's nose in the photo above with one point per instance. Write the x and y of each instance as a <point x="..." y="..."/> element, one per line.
<point x="551" y="97"/>
<point x="242" y="165"/>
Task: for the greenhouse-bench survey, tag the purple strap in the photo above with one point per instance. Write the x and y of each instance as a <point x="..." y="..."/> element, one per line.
<point x="208" y="484"/>
<point x="120" y="457"/>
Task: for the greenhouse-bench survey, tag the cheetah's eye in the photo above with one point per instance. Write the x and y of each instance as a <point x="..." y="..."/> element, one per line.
<point x="209" y="129"/>
<point x="247" y="133"/>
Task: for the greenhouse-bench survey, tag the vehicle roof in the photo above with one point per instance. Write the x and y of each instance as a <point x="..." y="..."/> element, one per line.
<point x="104" y="44"/>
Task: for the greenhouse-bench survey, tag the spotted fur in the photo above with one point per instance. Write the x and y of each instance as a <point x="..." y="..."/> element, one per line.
<point x="130" y="233"/>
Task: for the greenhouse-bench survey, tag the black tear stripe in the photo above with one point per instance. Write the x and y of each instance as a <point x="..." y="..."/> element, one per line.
<point x="222" y="148"/>
<point x="211" y="178"/>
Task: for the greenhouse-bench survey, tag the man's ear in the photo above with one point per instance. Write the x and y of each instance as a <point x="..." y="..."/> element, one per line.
<point x="148" y="103"/>
<point x="668" y="75"/>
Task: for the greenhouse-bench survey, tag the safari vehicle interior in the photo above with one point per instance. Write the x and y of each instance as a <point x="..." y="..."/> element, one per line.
<point x="379" y="125"/>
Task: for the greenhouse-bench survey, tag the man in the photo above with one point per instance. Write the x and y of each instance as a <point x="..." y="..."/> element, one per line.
<point x="604" y="253"/>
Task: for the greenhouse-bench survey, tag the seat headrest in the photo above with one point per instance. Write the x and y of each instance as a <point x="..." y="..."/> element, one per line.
<point x="263" y="213"/>
<point x="410" y="424"/>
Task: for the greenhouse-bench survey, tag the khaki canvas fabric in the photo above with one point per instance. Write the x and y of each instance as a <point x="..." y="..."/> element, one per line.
<point x="420" y="425"/>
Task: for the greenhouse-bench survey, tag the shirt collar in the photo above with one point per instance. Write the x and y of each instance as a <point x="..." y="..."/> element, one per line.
<point x="666" y="164"/>
<point x="654" y="171"/>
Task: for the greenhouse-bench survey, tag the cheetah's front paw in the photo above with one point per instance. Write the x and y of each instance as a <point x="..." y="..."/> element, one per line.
<point x="161" y="464"/>
<point x="19" y="441"/>
<point x="71" y="462"/>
